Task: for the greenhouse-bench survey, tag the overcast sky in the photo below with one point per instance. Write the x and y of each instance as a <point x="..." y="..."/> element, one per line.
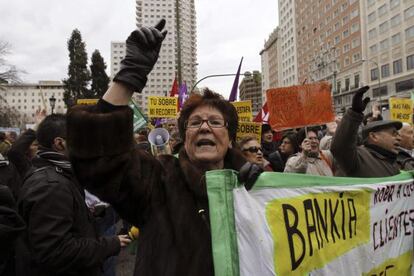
<point x="39" y="29"/>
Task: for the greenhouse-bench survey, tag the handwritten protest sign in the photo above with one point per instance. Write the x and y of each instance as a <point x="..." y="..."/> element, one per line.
<point x="291" y="224"/>
<point x="301" y="105"/>
<point x="401" y="110"/>
<point x="249" y="128"/>
<point x="87" y="101"/>
<point x="162" y="107"/>
<point x="244" y="110"/>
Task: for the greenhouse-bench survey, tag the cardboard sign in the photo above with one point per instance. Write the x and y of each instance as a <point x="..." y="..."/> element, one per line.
<point x="293" y="224"/>
<point x="162" y="107"/>
<point x="401" y="110"/>
<point x="249" y="128"/>
<point x="244" y="110"/>
<point x="299" y="106"/>
<point x="87" y="101"/>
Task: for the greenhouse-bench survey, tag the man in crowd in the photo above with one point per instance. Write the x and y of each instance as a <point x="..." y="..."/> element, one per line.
<point x="404" y="158"/>
<point x="311" y="160"/>
<point x="60" y="237"/>
<point x="377" y="157"/>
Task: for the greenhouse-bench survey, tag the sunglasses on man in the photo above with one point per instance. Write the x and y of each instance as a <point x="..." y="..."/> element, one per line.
<point x="253" y="149"/>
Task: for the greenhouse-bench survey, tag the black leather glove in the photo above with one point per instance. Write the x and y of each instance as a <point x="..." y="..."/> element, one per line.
<point x="248" y="174"/>
<point x="142" y="48"/>
<point x="359" y="104"/>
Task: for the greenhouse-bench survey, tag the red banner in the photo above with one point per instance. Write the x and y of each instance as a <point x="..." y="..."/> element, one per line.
<point x="299" y="106"/>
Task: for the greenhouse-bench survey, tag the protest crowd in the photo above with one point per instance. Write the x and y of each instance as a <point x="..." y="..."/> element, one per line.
<point x="67" y="183"/>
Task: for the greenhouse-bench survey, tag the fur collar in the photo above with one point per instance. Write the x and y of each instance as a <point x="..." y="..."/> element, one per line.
<point x="195" y="177"/>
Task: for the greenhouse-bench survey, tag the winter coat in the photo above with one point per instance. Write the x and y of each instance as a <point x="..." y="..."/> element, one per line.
<point x="11" y="226"/>
<point x="165" y="197"/>
<point x="9" y="176"/>
<point x="405" y="160"/>
<point x="61" y="239"/>
<point x="321" y="165"/>
<point x="358" y="161"/>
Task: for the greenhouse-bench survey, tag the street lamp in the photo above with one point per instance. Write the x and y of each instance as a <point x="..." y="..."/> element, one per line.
<point x="52" y="101"/>
<point x="246" y="74"/>
<point x="379" y="79"/>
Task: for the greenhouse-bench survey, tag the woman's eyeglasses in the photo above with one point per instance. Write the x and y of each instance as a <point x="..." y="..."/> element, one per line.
<point x="213" y="123"/>
<point x="253" y="149"/>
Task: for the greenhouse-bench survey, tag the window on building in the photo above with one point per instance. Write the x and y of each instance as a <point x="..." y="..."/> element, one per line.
<point x="374" y="74"/>
<point x="337" y="39"/>
<point x="410" y="62"/>
<point x="347" y="84"/>
<point x="373" y="49"/>
<point x="346" y="48"/>
<point x="355" y="42"/>
<point x="372" y="33"/>
<point x="396" y="39"/>
<point x="394" y="3"/>
<point x="356" y="57"/>
<point x="408" y="13"/>
<point x="338" y="86"/>
<point x="356" y="81"/>
<point x="383" y="27"/>
<point x="404" y="85"/>
<point x="383" y="91"/>
<point x="370" y="2"/>
<point x="384" y="44"/>
<point x="385" y="70"/>
<point x="354" y="13"/>
<point x="396" y="20"/>
<point x="382" y="10"/>
<point x="355" y="27"/>
<point x="345" y="33"/>
<point x="397" y="66"/>
<point x="409" y="33"/>
<point x="371" y="17"/>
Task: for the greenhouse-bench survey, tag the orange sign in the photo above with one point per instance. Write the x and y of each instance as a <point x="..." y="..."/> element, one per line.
<point x="300" y="105"/>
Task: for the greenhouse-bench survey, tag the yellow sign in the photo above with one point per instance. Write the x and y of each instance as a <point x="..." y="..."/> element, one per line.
<point x="313" y="229"/>
<point x="395" y="266"/>
<point x="162" y="107"/>
<point x="249" y="128"/>
<point x="87" y="101"/>
<point x="401" y="109"/>
<point x="244" y="110"/>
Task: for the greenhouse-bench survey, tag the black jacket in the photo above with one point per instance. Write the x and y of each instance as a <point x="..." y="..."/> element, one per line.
<point x="9" y="176"/>
<point x="405" y="160"/>
<point x="61" y="239"/>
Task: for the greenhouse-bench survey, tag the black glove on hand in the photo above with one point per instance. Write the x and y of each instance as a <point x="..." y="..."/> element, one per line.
<point x="248" y="174"/>
<point x="142" y="48"/>
<point x="359" y="105"/>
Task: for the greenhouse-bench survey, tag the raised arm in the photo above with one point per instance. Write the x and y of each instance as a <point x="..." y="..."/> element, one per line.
<point x="344" y="144"/>
<point x="100" y="138"/>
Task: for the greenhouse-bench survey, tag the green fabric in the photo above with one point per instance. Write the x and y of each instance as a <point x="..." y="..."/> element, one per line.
<point x="220" y="196"/>
<point x="139" y="119"/>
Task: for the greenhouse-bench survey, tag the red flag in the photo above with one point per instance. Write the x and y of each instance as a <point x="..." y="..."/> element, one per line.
<point x="263" y="115"/>
<point x="174" y="88"/>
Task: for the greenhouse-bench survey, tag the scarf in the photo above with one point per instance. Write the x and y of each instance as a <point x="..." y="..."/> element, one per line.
<point x="57" y="159"/>
<point x="386" y="153"/>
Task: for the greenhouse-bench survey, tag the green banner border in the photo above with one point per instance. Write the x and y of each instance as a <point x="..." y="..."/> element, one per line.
<point x="223" y="229"/>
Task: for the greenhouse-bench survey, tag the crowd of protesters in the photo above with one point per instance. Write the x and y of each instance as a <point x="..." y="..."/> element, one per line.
<point x="64" y="184"/>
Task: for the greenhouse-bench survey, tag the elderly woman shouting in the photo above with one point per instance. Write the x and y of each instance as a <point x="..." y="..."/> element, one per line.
<point x="165" y="197"/>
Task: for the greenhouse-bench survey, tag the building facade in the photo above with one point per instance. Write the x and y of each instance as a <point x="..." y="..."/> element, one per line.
<point x="251" y="89"/>
<point x="287" y="31"/>
<point x="269" y="63"/>
<point x="389" y="62"/>
<point x="178" y="52"/>
<point x="26" y="98"/>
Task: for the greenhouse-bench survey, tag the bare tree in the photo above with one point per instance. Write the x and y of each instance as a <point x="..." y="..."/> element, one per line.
<point x="9" y="73"/>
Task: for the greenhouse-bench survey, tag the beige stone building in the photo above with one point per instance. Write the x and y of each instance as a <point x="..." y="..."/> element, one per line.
<point x="269" y="63"/>
<point x="26" y="98"/>
<point x="389" y="56"/>
<point x="251" y="89"/>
